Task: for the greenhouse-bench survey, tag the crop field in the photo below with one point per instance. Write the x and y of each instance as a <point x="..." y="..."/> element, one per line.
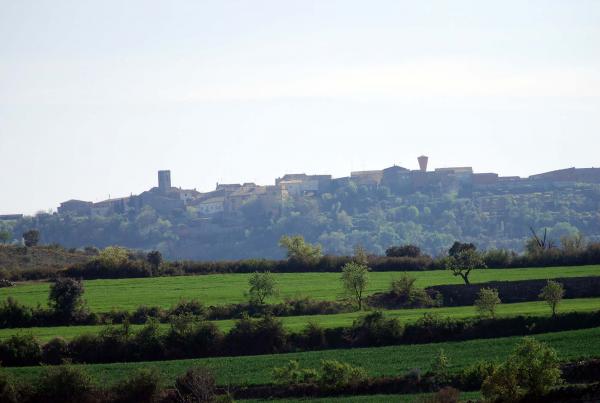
<point x="393" y="360"/>
<point x="464" y="396"/>
<point x="297" y="323"/>
<point x="103" y="295"/>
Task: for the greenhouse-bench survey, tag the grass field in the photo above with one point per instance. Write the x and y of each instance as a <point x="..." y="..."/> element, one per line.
<point x="367" y="399"/>
<point x="102" y="295"/>
<point x="380" y="361"/>
<point x="296" y="323"/>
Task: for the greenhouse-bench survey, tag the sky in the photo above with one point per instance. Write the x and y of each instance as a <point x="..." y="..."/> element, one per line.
<point x="96" y="96"/>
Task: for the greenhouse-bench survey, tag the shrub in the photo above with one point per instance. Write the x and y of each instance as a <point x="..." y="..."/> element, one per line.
<point x="8" y="390"/>
<point x="444" y="395"/>
<point x="487" y="302"/>
<point x="55" y="351"/>
<point x="472" y="377"/>
<point x="64" y="384"/>
<point x="340" y="374"/>
<point x="13" y="314"/>
<point x="142" y="386"/>
<point x="196" y="385"/>
<point x="184" y="307"/>
<point x="143" y="313"/>
<point x="250" y="336"/>
<point x="532" y="369"/>
<point x="440" y="367"/>
<point x="314" y="336"/>
<point x="374" y="329"/>
<point x="20" y="350"/>
<point x="292" y="374"/>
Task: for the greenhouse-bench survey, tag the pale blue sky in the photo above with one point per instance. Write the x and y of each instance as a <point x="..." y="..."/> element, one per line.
<point x="96" y="96"/>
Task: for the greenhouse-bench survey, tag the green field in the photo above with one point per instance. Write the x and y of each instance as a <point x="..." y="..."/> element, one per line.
<point x="367" y="399"/>
<point x="379" y="361"/>
<point x="102" y="295"/>
<point x="297" y="323"/>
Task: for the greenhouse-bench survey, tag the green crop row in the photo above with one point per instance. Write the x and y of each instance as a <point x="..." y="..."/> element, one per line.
<point x="128" y="294"/>
<point x="392" y="360"/>
<point x="297" y="323"/>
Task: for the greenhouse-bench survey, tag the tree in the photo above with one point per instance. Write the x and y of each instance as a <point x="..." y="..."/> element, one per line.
<point x="403" y="251"/>
<point x="487" y="301"/>
<point x="459" y="247"/>
<point x="532" y="369"/>
<point x="463" y="262"/>
<point x="5" y="236"/>
<point x="552" y="293"/>
<point x="355" y="278"/>
<point x="31" y="237"/>
<point x="262" y="286"/>
<point x="66" y="297"/>
<point x="360" y="255"/>
<point x="155" y="259"/>
<point x="113" y="256"/>
<point x="300" y="250"/>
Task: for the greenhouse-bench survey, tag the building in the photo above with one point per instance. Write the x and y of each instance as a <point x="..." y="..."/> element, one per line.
<point x="211" y="206"/>
<point x="297" y="184"/>
<point x="367" y="178"/>
<point x="77" y="207"/>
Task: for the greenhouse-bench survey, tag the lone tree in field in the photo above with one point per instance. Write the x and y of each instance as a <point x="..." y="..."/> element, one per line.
<point x="355" y="278"/>
<point x="155" y="259"/>
<point x="552" y="293"/>
<point x="66" y="297"/>
<point x="487" y="301"/>
<point x="462" y="259"/>
<point x="299" y="250"/>
<point x="31" y="237"/>
<point x="262" y="286"/>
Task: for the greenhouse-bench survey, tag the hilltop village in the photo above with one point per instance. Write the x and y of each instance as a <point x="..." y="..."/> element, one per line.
<point x="375" y="209"/>
<point x="227" y="199"/>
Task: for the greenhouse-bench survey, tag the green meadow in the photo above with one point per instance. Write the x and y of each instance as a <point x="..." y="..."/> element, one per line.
<point x="380" y="361"/>
<point x="297" y="323"/>
<point x="128" y="294"/>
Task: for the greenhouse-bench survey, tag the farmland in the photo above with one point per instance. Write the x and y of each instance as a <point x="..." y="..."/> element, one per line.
<point x="393" y="360"/>
<point x="296" y="323"/>
<point x="128" y="294"/>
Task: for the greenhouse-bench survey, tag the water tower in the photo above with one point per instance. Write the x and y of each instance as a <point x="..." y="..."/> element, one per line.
<point x="423" y="163"/>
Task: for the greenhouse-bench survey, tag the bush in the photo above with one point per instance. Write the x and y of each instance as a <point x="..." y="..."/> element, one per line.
<point x="335" y="374"/>
<point x="374" y="329"/>
<point x="64" y="384"/>
<point x="472" y="377"/>
<point x="20" y="350"/>
<point x="13" y="314"/>
<point x="142" y="386"/>
<point x="292" y="374"/>
<point x="250" y="336"/>
<point x="8" y="390"/>
<point x="196" y="385"/>
<point x="532" y="369"/>
<point x="184" y="307"/>
<point x="55" y="351"/>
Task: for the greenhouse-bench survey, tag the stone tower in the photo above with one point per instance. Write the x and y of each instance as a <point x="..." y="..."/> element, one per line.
<point x="164" y="180"/>
<point x="423" y="163"/>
